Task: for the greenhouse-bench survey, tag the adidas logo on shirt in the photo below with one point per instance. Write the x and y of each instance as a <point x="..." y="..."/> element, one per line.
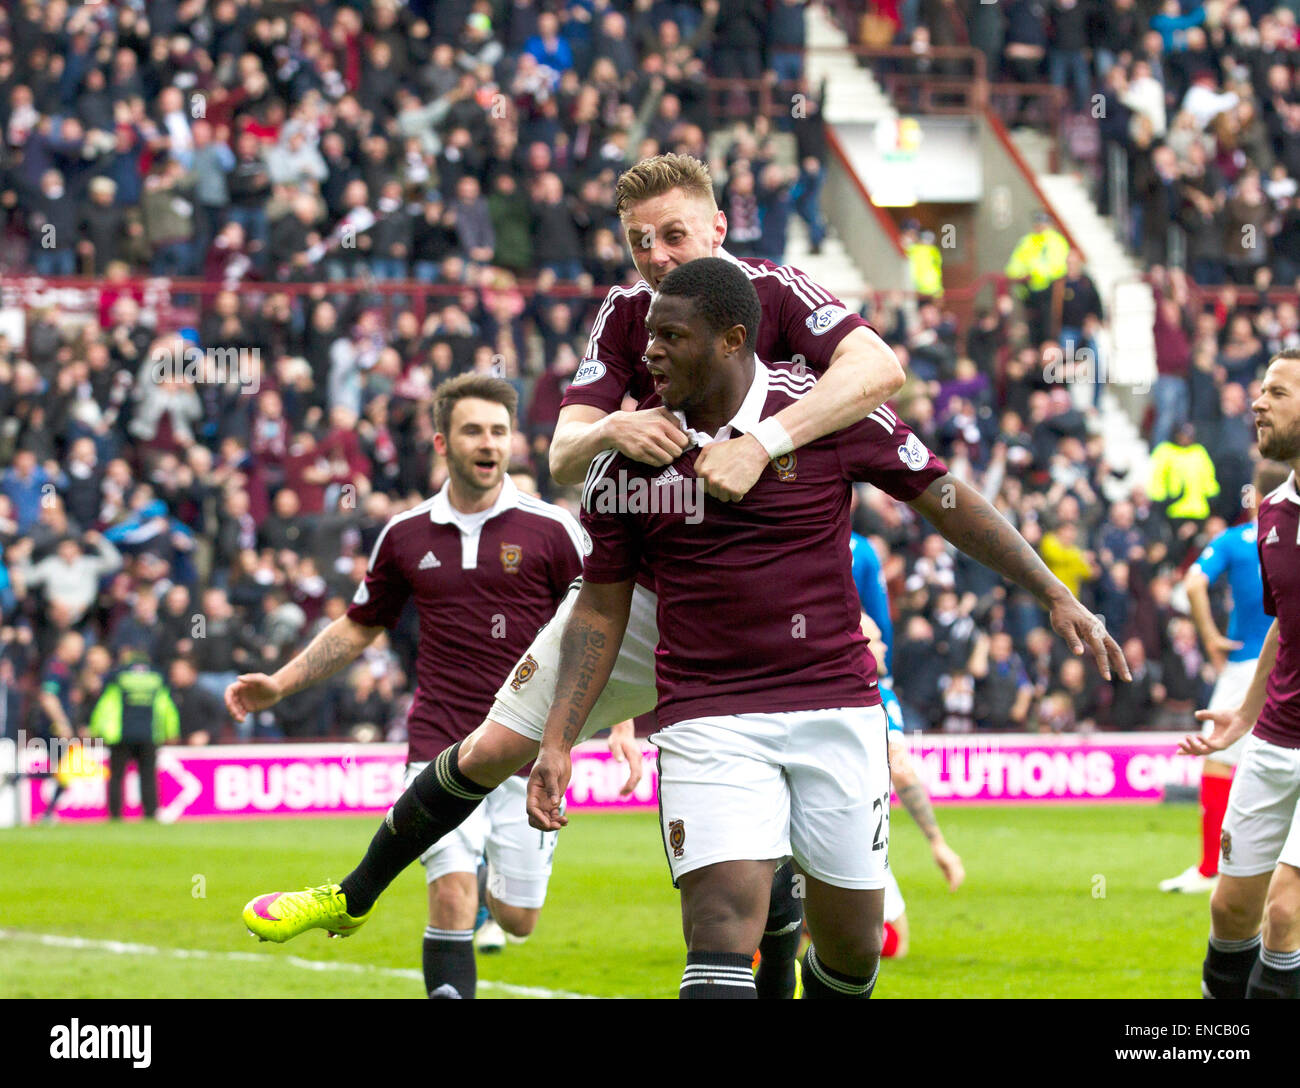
<point x="668" y="475"/>
<point x="1272" y="537"/>
<point x="429" y="561"/>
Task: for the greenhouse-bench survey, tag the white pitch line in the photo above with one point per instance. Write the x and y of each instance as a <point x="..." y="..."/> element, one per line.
<point x="124" y="948"/>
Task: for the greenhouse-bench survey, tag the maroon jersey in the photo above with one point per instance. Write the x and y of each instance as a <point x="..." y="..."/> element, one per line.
<point x="1278" y="540"/>
<point x="758" y="611"/>
<point x="482" y="587"/>
<point x="800" y="321"/>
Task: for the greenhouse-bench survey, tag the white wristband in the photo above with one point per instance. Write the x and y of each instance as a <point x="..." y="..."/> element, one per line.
<point x="772" y="437"/>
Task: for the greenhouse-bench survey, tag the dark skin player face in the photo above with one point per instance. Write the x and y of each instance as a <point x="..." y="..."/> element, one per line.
<point x="695" y="370"/>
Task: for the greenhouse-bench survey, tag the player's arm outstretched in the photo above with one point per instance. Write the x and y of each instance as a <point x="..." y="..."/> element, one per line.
<point x="334" y="648"/>
<point x="971" y="523"/>
<point x="588" y="650"/>
<point x="864" y="372"/>
<point x="913" y="796"/>
<point x="1231" y="725"/>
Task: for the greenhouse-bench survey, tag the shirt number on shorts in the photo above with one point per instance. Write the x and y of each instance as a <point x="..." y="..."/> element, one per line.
<point x="880" y="806"/>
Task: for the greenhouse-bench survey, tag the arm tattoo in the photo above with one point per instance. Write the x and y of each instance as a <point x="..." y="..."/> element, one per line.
<point x="583" y="652"/>
<point x="978" y="529"/>
<point x="323" y="658"/>
<point x="918" y="807"/>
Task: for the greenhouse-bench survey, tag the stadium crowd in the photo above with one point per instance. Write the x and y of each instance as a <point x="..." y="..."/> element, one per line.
<point x="1199" y="98"/>
<point x="217" y="520"/>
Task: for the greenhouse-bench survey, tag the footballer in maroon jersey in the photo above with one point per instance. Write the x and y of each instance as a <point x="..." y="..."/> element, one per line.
<point x="485" y="566"/>
<point x="774" y="741"/>
<point x="1254" y="945"/>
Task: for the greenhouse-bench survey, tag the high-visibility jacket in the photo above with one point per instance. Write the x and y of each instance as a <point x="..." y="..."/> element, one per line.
<point x="926" y="263"/>
<point x="135" y="706"/>
<point x="1039" y="256"/>
<point x="1184" y="477"/>
<point x="1066" y="561"/>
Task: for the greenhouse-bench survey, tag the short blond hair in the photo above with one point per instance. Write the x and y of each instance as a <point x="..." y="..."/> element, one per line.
<point x="660" y="174"/>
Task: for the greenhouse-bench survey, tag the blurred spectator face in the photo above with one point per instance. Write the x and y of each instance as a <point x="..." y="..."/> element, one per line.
<point x="70" y="648"/>
<point x="99" y="660"/>
<point x="1000" y="647"/>
<point x="182" y="673"/>
<point x="269" y="405"/>
<point x="467" y="189"/>
<point x="216" y="605"/>
<point x="539" y="157"/>
<point x="83" y="452"/>
<point x="69" y="551"/>
<point x="919" y="629"/>
<point x="324" y="317"/>
<point x="356" y="194"/>
<point x="1038" y="642"/>
<point x="286" y="503"/>
<point x="177" y="600"/>
<point x="24" y="463"/>
<point x="1072" y="674"/>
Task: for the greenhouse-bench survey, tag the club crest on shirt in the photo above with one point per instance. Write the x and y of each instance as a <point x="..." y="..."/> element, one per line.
<point x="785" y="467"/>
<point x="511" y="556"/>
<point x="526" y="671"/>
<point x="677" y="837"/>
<point x="1225" y="844"/>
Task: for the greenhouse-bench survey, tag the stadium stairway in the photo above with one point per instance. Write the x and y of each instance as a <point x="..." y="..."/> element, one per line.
<point x="1129" y="342"/>
<point x="852" y="93"/>
<point x="852" y="96"/>
<point x="833" y="268"/>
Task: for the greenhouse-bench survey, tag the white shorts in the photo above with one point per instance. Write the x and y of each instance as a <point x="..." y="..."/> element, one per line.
<point x="524" y="700"/>
<point x="894" y="904"/>
<point x="1261" y="826"/>
<point x="813" y="784"/>
<point x="518" y="856"/>
<point x="1229" y="693"/>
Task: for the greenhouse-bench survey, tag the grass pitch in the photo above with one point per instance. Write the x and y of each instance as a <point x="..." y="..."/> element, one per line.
<point x="1058" y="903"/>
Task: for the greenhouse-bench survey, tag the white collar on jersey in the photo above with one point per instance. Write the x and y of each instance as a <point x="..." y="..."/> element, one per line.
<point x="747" y="415"/>
<point x="1286" y="491"/>
<point x="441" y="512"/>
